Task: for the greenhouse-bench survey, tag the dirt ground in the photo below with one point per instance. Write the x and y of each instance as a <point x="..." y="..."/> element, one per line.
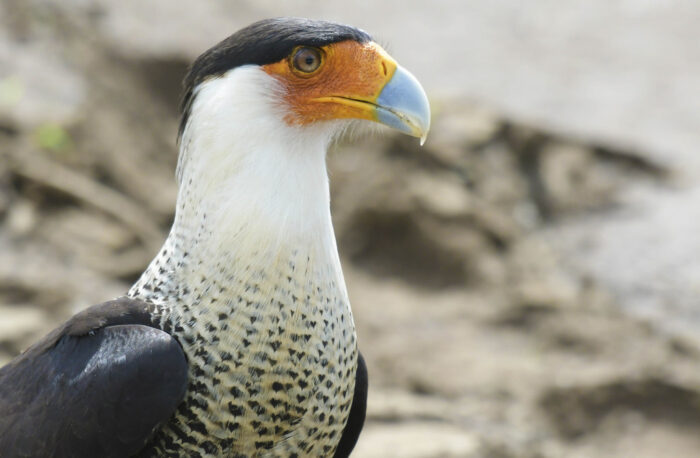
<point x="488" y="329"/>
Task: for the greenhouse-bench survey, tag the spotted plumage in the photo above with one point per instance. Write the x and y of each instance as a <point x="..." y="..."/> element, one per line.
<point x="287" y="372"/>
<point x="238" y="340"/>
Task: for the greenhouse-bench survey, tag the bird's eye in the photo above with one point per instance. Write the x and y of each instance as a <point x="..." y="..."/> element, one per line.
<point x="306" y="60"/>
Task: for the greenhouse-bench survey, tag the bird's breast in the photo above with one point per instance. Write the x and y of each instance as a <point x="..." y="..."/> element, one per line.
<point x="272" y="355"/>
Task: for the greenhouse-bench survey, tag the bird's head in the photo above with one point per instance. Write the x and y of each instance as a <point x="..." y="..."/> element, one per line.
<point x="260" y="108"/>
<point x="317" y="72"/>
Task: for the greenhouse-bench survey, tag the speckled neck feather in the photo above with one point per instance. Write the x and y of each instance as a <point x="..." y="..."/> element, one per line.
<point x="250" y="284"/>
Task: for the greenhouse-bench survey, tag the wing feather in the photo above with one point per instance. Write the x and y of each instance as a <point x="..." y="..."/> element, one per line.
<point x="97" y="386"/>
<point x="358" y="410"/>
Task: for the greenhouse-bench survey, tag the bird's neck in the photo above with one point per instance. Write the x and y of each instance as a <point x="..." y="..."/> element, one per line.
<point x="249" y="275"/>
<point x="250" y="204"/>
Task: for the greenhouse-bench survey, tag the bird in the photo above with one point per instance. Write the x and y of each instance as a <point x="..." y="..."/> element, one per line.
<point x="238" y="339"/>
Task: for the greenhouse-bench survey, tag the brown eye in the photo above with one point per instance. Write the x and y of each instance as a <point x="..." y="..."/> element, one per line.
<point x="306" y="60"/>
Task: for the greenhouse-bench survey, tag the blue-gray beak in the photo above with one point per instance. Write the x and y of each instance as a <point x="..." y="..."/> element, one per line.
<point x="403" y="105"/>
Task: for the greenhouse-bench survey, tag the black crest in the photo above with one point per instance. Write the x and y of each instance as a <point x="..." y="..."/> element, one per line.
<point x="261" y="43"/>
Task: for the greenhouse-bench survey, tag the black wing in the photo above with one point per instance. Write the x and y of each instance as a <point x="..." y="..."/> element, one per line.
<point x="356" y="420"/>
<point x="96" y="386"/>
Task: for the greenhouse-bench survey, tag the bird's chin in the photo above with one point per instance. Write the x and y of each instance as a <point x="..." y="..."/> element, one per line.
<point x="347" y="130"/>
<point x="332" y="131"/>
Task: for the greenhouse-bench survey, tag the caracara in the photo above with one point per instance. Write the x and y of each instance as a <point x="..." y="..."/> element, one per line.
<point x="238" y="339"/>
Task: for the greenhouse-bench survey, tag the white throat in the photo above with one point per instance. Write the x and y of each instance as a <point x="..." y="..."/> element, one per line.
<point x="253" y="189"/>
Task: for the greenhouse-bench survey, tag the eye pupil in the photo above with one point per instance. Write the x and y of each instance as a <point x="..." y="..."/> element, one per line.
<point x="307" y="60"/>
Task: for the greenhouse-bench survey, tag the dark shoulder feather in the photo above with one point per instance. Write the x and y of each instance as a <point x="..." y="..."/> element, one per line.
<point x="123" y="310"/>
<point x="358" y="410"/>
<point x="96" y="386"/>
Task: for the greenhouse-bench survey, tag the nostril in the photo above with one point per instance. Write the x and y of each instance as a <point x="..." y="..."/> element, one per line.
<point x="384" y="68"/>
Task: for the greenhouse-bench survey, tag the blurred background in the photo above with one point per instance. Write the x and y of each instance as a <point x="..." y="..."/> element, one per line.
<point x="527" y="284"/>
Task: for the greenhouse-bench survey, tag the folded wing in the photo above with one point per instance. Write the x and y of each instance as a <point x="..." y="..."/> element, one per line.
<point x="97" y="386"/>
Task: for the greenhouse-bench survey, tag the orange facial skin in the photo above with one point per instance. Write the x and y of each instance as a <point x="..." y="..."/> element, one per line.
<point x="346" y="84"/>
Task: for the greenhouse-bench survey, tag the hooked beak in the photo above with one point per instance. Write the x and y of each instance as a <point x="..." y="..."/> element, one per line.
<point x="403" y="105"/>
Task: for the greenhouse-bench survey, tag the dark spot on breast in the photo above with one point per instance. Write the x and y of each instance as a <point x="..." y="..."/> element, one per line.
<point x="263" y="444"/>
<point x="198" y="387"/>
<point x="257" y="408"/>
<point x="256" y="371"/>
<point x="198" y="426"/>
<point x="209" y="447"/>
<point x="235" y="410"/>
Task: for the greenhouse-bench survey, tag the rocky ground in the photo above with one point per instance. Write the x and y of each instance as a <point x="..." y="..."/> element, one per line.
<point x="489" y="271"/>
